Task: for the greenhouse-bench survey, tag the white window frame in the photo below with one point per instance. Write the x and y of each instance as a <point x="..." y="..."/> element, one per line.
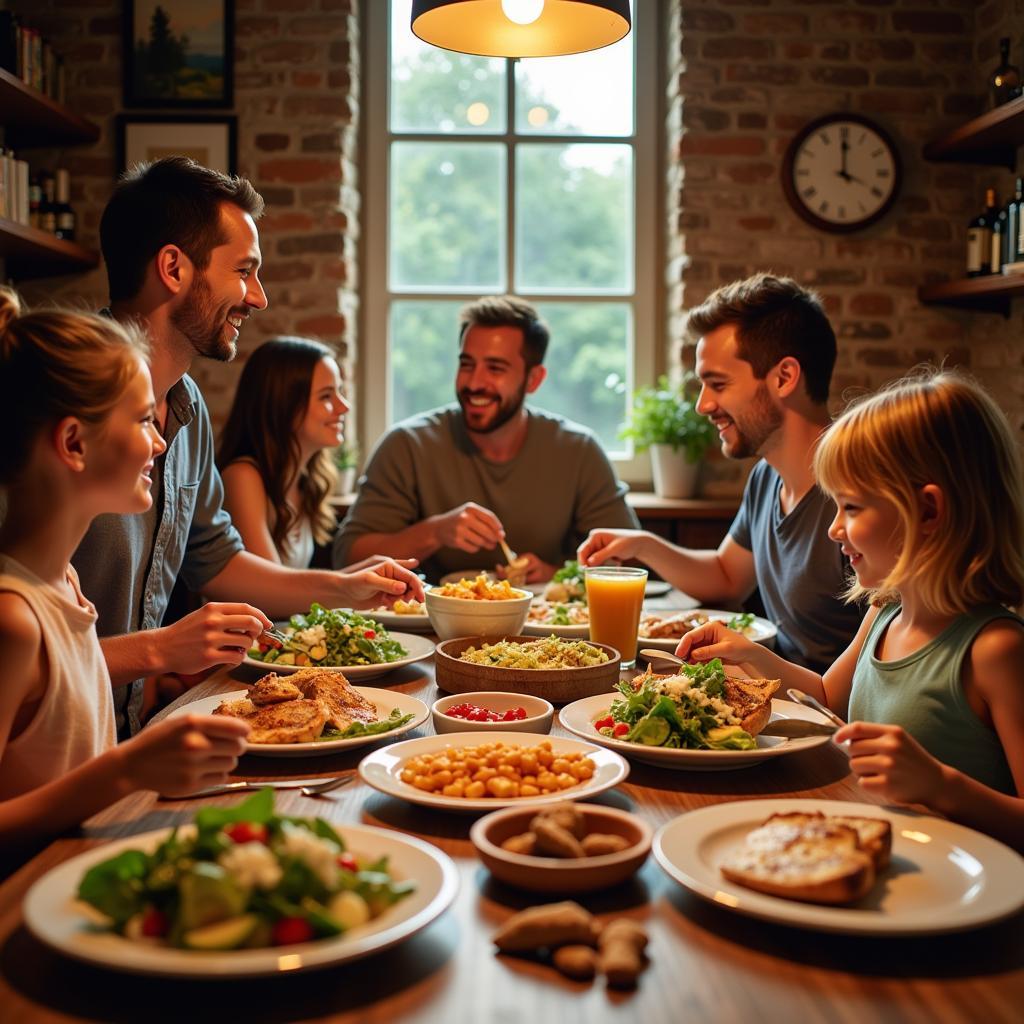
<point x="372" y="358"/>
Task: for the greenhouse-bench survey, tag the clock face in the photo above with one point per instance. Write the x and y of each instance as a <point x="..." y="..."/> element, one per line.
<point x="841" y="173"/>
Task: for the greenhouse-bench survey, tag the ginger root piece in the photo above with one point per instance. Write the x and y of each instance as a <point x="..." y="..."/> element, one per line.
<point x="566" y="814"/>
<point x="525" y="844"/>
<point x="577" y="962"/>
<point x="547" y="926"/>
<point x="621" y="947"/>
<point x="599" y="843"/>
<point x="554" y="840"/>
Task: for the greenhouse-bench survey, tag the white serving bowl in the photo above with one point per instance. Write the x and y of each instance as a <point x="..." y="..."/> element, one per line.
<point x="539" y="712"/>
<point x="459" y="616"/>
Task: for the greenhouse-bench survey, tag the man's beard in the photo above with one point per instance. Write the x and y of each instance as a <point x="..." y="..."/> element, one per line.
<point x="199" y="320"/>
<point x="506" y="410"/>
<point x="756" y="427"/>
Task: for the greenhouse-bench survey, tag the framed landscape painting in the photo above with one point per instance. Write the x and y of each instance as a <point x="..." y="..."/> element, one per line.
<point x="210" y="140"/>
<point x="179" y="53"/>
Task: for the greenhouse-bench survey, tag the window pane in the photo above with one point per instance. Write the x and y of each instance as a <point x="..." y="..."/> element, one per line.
<point x="584" y="94"/>
<point x="447" y="216"/>
<point x="589" y="361"/>
<point x="574" y="218"/>
<point x="424" y="340"/>
<point x="434" y="90"/>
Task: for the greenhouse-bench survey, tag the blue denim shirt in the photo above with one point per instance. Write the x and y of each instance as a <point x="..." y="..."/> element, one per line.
<point x="128" y="564"/>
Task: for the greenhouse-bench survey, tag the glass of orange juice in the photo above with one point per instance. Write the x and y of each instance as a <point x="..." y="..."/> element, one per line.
<point x="615" y="595"/>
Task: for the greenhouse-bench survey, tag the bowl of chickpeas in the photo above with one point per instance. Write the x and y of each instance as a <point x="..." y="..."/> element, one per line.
<point x="563" y="847"/>
<point x="488" y="711"/>
<point x="459" y="772"/>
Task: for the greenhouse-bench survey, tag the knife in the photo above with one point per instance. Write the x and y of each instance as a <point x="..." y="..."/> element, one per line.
<point x="246" y="786"/>
<point x="796" y="728"/>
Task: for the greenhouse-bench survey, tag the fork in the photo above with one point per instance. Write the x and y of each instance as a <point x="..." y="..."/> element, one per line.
<point x="273" y="636"/>
<point x="327" y="785"/>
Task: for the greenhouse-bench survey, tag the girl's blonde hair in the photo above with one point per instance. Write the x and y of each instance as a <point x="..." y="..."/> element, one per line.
<point x="936" y="427"/>
<point x="58" y="364"/>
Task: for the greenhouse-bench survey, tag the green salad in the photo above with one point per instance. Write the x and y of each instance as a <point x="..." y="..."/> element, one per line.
<point x="687" y="710"/>
<point x="332" y="636"/>
<point x="567" y="586"/>
<point x="245" y="878"/>
<point x="741" y="622"/>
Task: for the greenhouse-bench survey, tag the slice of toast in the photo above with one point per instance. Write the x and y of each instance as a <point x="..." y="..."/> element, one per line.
<point x="874" y="835"/>
<point x="813" y="860"/>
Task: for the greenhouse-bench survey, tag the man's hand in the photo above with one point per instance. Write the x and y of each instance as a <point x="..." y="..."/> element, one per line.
<point x="219" y="633"/>
<point x="182" y="754"/>
<point x="890" y="762"/>
<point x="537" y="570"/>
<point x="381" y="583"/>
<point x="366" y="563"/>
<point x="470" y="527"/>
<point x="604" y="546"/>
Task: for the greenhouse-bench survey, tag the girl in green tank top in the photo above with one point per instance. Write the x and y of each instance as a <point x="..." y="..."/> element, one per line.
<point x="927" y="480"/>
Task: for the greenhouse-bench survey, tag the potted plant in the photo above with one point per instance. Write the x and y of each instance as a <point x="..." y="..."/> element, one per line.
<point x="346" y="459"/>
<point x="665" y="420"/>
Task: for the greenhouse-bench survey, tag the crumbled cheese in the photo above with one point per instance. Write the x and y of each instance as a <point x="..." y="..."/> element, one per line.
<point x="312" y="636"/>
<point x="251" y="865"/>
<point x="681" y="686"/>
<point x="319" y="855"/>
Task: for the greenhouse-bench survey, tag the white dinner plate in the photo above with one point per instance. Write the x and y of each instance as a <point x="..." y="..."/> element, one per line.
<point x="383" y="700"/>
<point x="656" y="588"/>
<point x="419" y="647"/>
<point x="579" y="718"/>
<point x="54" y="915"/>
<point x="943" y="877"/>
<point x="392" y="620"/>
<point x="382" y="769"/>
<point x="760" y="630"/>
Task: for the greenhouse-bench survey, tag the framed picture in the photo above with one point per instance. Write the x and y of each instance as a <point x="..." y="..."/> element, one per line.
<point x="209" y="139"/>
<point x="179" y="53"/>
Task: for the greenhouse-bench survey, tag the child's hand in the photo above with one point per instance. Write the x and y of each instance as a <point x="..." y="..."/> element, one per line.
<point x="890" y="762"/>
<point x="182" y="754"/>
<point x="382" y="583"/>
<point x="713" y="640"/>
<point x="217" y="634"/>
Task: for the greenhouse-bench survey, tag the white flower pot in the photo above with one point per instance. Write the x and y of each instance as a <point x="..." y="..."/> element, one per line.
<point x="346" y="480"/>
<point x="674" y="477"/>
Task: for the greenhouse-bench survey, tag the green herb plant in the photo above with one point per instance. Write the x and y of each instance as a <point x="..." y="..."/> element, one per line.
<point x="667" y="414"/>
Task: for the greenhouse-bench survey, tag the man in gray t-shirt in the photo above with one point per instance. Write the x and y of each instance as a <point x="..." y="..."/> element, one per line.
<point x="447" y="486"/>
<point x="765" y="359"/>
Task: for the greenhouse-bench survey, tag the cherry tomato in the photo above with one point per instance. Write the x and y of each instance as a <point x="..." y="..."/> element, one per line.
<point x="288" y="930"/>
<point x="246" y="832"/>
<point x="604" y="723"/>
<point x="155" y="924"/>
<point x="263" y="648"/>
<point x="348" y="862"/>
<point x="369" y="634"/>
<point x="620" y="729"/>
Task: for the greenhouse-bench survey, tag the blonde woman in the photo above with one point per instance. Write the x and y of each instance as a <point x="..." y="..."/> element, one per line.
<point x="927" y="479"/>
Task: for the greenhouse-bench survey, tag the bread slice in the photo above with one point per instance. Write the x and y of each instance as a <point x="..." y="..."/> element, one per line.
<point x="751" y="699"/>
<point x="802" y="857"/>
<point x="874" y="836"/>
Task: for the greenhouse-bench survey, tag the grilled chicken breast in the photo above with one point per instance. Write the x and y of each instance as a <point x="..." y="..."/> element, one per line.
<point x="341" y="703"/>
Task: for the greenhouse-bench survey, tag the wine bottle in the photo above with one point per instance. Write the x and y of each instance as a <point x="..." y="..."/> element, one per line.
<point x="1004" y="82"/>
<point x="979" y="238"/>
<point x="47" y="205"/>
<point x="65" y="216"/>
<point x="1013" y="241"/>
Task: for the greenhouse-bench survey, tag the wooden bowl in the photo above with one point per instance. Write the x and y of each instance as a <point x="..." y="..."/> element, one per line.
<point x="555" y="874"/>
<point x="558" y="685"/>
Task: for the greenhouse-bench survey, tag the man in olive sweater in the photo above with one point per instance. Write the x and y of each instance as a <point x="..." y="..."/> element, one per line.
<point x="446" y="486"/>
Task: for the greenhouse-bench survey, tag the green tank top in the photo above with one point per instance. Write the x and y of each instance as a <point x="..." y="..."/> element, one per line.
<point x="923" y="693"/>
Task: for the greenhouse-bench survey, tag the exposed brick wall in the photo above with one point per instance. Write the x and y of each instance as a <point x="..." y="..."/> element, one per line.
<point x="743" y="77"/>
<point x="297" y="102"/>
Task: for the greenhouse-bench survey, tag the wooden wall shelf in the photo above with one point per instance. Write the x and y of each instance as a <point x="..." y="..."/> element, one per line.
<point x="29" y="252"/>
<point x="991" y="139"/>
<point x="31" y="119"/>
<point x="979" y="294"/>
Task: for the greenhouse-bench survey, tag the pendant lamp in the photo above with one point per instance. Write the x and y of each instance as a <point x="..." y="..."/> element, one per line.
<point x="520" y="28"/>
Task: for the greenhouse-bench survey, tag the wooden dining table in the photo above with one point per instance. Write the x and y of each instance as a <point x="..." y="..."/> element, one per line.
<point x="706" y="962"/>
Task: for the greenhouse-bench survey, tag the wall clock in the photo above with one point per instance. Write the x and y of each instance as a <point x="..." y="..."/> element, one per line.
<point x="841" y="172"/>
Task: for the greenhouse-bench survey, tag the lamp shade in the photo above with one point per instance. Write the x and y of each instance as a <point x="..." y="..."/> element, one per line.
<point x="483" y="27"/>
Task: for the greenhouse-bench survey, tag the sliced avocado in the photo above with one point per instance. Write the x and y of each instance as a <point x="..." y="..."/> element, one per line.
<point x="262" y="935"/>
<point x="285" y="659"/>
<point x="730" y="737"/>
<point x="652" y="731"/>
<point x="208" y="894"/>
<point x="229" y="934"/>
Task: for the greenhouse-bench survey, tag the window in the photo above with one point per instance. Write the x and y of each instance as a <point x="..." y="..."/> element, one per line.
<point x="535" y="177"/>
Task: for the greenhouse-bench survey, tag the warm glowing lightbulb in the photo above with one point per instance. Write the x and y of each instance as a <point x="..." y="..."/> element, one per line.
<point x="522" y="12"/>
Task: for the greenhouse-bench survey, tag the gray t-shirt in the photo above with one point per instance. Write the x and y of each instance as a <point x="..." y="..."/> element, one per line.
<point x="127" y="564"/>
<point x="558" y="488"/>
<point x="800" y="571"/>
